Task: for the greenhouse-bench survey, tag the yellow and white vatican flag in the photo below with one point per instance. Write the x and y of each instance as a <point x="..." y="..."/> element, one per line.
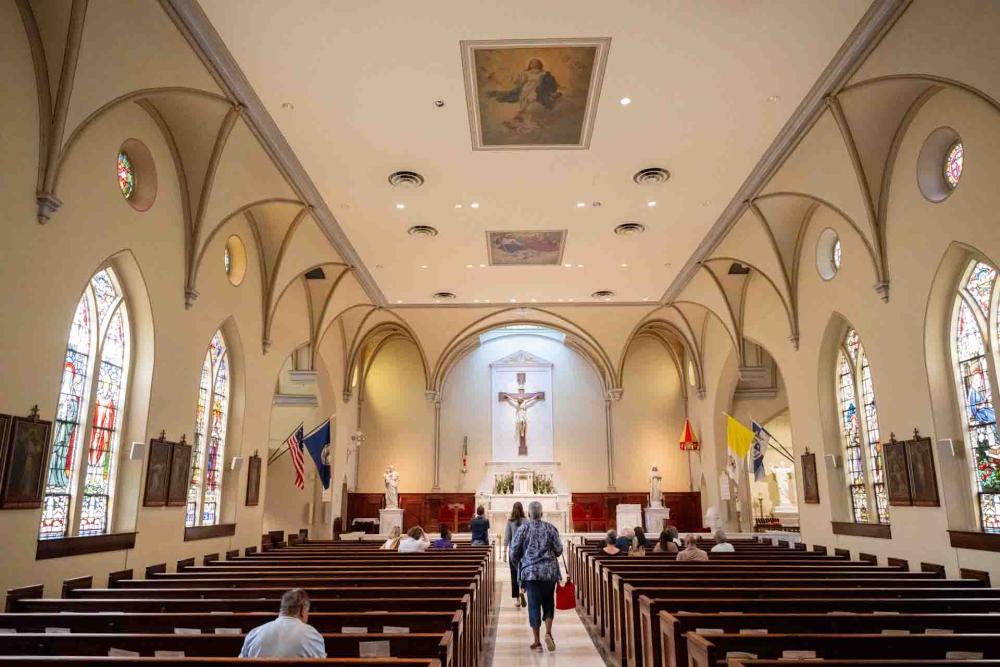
<point x="739" y="439"/>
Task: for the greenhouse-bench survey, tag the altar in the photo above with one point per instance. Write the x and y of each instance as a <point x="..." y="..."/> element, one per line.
<point x="506" y="483"/>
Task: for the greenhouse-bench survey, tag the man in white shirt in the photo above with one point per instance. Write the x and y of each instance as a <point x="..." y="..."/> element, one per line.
<point x="287" y="636"/>
<point x="721" y="545"/>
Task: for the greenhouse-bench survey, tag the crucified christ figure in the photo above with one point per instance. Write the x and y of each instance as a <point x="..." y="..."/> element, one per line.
<point x="521" y="401"/>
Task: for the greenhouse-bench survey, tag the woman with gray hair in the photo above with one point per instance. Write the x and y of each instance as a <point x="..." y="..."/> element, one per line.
<point x="536" y="548"/>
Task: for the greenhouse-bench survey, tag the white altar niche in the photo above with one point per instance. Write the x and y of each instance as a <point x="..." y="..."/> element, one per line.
<point x="555" y="505"/>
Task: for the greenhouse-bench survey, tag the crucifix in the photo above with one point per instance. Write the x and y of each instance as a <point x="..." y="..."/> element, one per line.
<point x="521" y="401"/>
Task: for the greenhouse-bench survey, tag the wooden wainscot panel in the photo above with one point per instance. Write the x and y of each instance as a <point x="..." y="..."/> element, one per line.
<point x="208" y="532"/>
<point x="879" y="530"/>
<point x="91" y="544"/>
<point x="962" y="539"/>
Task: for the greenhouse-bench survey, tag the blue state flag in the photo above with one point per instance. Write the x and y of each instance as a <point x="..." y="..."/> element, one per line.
<point x="761" y="438"/>
<point x="317" y="443"/>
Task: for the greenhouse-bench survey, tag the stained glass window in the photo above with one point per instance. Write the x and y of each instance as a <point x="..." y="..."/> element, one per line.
<point x="975" y="360"/>
<point x="205" y="490"/>
<point x="80" y="485"/>
<point x="837" y="251"/>
<point x="953" y="164"/>
<point x="860" y="432"/>
<point x="227" y="261"/>
<point x="126" y="175"/>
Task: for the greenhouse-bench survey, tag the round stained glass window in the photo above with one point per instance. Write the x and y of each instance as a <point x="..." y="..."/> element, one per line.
<point x="953" y="164"/>
<point x="836" y="254"/>
<point x="126" y="175"/>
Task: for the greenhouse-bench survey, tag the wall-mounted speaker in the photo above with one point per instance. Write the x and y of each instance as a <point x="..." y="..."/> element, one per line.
<point x="137" y="452"/>
<point x="834" y="460"/>
<point x="236" y="463"/>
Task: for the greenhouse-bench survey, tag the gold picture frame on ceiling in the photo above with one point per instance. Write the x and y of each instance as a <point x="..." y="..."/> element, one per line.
<point x="533" y="94"/>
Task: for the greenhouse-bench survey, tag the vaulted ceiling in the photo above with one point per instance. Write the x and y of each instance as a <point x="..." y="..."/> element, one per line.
<point x="353" y="86"/>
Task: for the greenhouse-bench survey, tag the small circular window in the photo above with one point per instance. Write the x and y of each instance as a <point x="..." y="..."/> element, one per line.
<point x="234" y="260"/>
<point x="828" y="254"/>
<point x="136" y="174"/>
<point x="953" y="165"/>
<point x="940" y="164"/>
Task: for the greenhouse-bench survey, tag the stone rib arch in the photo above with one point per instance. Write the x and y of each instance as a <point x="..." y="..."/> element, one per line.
<point x="670" y="336"/>
<point x="365" y="349"/>
<point x="580" y="337"/>
<point x="790" y="313"/>
<point x="275" y="301"/>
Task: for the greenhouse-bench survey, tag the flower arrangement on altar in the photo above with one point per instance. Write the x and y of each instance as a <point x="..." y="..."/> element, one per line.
<point x="542" y="484"/>
<point x="503" y="484"/>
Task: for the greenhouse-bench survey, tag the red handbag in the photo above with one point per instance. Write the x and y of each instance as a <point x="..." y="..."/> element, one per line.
<point x="566" y="594"/>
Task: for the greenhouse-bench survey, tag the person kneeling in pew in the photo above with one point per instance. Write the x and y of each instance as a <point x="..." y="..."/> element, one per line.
<point x="289" y="635"/>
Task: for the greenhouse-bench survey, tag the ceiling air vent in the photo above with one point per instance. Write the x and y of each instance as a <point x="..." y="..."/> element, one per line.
<point x="737" y="269"/>
<point x="629" y="229"/>
<point x="425" y="231"/>
<point x="406" y="179"/>
<point x="603" y="294"/>
<point x="315" y="274"/>
<point x="651" y="176"/>
<point x="444" y="296"/>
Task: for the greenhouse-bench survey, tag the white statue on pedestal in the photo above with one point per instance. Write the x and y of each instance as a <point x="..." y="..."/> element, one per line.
<point x="391" y="478"/>
<point x="712" y="519"/>
<point x="783" y="479"/>
<point x="655" y="495"/>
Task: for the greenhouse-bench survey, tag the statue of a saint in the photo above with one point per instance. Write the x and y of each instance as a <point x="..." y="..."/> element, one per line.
<point x="655" y="495"/>
<point x="391" y="478"/>
<point x="783" y="479"/>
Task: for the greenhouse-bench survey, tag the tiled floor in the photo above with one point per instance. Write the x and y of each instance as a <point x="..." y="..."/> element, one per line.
<point x="513" y="636"/>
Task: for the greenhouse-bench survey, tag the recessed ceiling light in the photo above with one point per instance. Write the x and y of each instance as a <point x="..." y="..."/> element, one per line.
<point x="624" y="265"/>
<point x="581" y="204"/>
<point x="645" y="298"/>
<point x="651" y="204"/>
<point x="571" y="299"/>
<point x="475" y="301"/>
<point x="482" y="266"/>
<point x="559" y="300"/>
<point x="533" y="300"/>
<point x="774" y="98"/>
<point x="474" y="204"/>
<point x="579" y="266"/>
<point x="458" y="206"/>
<point x="288" y="105"/>
<point x="400" y="205"/>
<point x="568" y="266"/>
<point x="400" y="301"/>
<point x="513" y="300"/>
<point x="625" y="101"/>
<point x="423" y="266"/>
<point x="486" y="300"/>
<point x="468" y="266"/>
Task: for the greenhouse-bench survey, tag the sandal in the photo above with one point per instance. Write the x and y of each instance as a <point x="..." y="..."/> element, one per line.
<point x="536" y="647"/>
<point x="550" y="643"/>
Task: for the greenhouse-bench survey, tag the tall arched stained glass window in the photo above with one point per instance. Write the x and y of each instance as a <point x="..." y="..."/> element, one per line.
<point x="860" y="433"/>
<point x="205" y="490"/>
<point x="79" y="489"/>
<point x="974" y="345"/>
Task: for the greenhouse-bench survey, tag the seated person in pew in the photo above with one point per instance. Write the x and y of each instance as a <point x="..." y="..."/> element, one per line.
<point x="415" y="540"/>
<point x="666" y="545"/>
<point x="444" y="542"/>
<point x="392" y="544"/>
<point x="640" y="537"/>
<point x="624" y="542"/>
<point x="289" y="635"/>
<point x="721" y="545"/>
<point x="691" y="550"/>
<point x="610" y="544"/>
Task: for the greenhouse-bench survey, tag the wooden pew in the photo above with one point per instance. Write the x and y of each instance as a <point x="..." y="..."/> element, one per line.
<point x="673" y="627"/>
<point x="102" y="661"/>
<point x="711" y="650"/>
<point x="414" y="645"/>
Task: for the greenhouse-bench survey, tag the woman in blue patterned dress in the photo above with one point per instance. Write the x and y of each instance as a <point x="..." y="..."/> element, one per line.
<point x="536" y="549"/>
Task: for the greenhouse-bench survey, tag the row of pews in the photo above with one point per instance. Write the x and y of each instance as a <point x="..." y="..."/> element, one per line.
<point x="372" y="607"/>
<point x="767" y="603"/>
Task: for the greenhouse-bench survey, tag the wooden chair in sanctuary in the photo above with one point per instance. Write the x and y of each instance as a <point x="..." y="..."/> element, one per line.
<point x="371" y="606"/>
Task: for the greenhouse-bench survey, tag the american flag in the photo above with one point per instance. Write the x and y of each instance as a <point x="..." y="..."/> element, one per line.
<point x="295" y="451"/>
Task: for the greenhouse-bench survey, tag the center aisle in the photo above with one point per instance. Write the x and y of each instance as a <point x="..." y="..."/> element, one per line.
<point x="513" y="636"/>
